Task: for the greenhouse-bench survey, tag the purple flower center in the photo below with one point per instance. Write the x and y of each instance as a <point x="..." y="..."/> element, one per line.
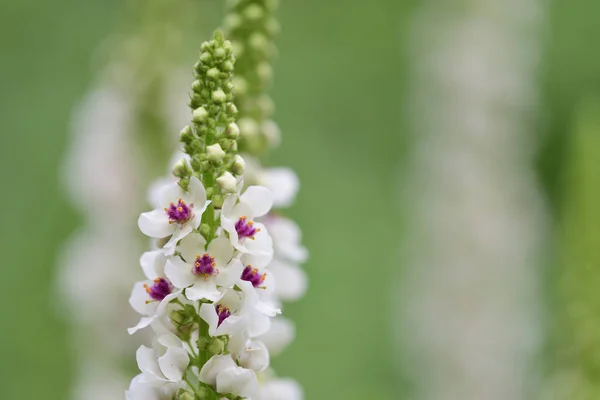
<point x="223" y="313"/>
<point x="245" y="228"/>
<point x="160" y="289"/>
<point x="204" y="265"/>
<point x="179" y="212"/>
<point x="253" y="276"/>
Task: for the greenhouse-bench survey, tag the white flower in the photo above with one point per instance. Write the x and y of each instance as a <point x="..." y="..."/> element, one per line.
<point x="180" y="214"/>
<point x="283" y="183"/>
<point x="227" y="182"/>
<point x="151" y="297"/>
<point x="287" y="238"/>
<point x="291" y="280"/>
<point x="223" y="374"/>
<point x="203" y="271"/>
<point x="251" y="354"/>
<point x="281" y="389"/>
<point x="237" y="218"/>
<point x="279" y="336"/>
<point x="237" y="311"/>
<point x="167" y="362"/>
<point x="142" y="388"/>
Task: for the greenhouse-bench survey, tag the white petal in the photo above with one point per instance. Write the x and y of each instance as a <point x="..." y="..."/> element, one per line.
<point x="162" y="307"/>
<point x="284" y="184"/>
<point x="221" y="249"/>
<point x="230" y="274"/>
<point x="259" y="199"/>
<point x="139" y="299"/>
<point x="144" y="322"/>
<point x="155" y="224"/>
<point x="257" y="324"/>
<point x="213" y="367"/>
<point x="192" y="246"/>
<point x="281" y="334"/>
<point x="203" y="289"/>
<point x="153" y="264"/>
<point x="291" y="279"/>
<point x="238" y="381"/>
<point x="197" y="194"/>
<point x="174" y="363"/>
<point x="262" y="244"/>
<point x="255" y="357"/>
<point x="209" y="315"/>
<point x="281" y="388"/>
<point x="179" y="272"/>
<point x="146" y="360"/>
<point x="179" y="233"/>
<point x="170" y="193"/>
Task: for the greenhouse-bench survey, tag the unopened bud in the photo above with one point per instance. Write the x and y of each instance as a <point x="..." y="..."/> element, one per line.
<point x="240" y="86"/>
<point x="227" y="66"/>
<point x="217" y="346"/>
<point x="272" y="133"/>
<point x="238" y="165"/>
<point x="205" y="57"/>
<point x="215" y="153"/>
<point x="213" y="73"/>
<point x="264" y="71"/>
<point x="253" y="12"/>
<point x="200" y="115"/>
<point x="186" y="396"/>
<point x="182" y="169"/>
<point x="227" y="182"/>
<point x="219" y="53"/>
<point x="186" y="135"/>
<point x="219" y="96"/>
<point x="259" y="42"/>
<point x="248" y="127"/>
<point x="233" y="130"/>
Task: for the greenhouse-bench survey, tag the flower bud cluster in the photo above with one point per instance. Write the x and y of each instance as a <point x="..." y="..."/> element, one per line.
<point x="251" y="26"/>
<point x="210" y="296"/>
<point x="211" y="139"/>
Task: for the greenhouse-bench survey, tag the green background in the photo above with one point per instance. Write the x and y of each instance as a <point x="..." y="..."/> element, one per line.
<point x="341" y="94"/>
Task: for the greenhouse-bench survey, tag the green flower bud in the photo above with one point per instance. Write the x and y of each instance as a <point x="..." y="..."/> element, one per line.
<point x="186" y="396"/>
<point x="182" y="169"/>
<point x="232" y="131"/>
<point x="238" y="48"/>
<point x="272" y="26"/>
<point x="197" y="85"/>
<point x="232" y="109"/>
<point x="213" y="73"/>
<point x="248" y="127"/>
<point x="219" y="53"/>
<point x="200" y="115"/>
<point x="217" y="346"/>
<point x="227" y="182"/>
<point x="205" y="230"/>
<point x="226" y="144"/>
<point x="264" y="71"/>
<point x="233" y="21"/>
<point x="205" y="57"/>
<point x="259" y="42"/>
<point x="186" y="135"/>
<point x="240" y="86"/>
<point x="219" y="96"/>
<point x="227" y="66"/>
<point x="205" y="46"/>
<point x="238" y="165"/>
<point x="253" y="12"/>
<point x="217" y="200"/>
<point x="215" y="153"/>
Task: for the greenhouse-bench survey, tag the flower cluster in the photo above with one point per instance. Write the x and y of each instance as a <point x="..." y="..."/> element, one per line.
<point x="210" y="293"/>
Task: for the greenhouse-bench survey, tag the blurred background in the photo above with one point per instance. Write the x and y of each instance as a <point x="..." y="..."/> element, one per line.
<point x="449" y="157"/>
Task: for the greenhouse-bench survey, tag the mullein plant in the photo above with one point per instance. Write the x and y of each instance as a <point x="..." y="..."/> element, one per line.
<point x="209" y="294"/>
<point x="251" y="25"/>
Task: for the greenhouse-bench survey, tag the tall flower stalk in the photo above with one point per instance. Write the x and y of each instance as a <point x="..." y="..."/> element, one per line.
<point x="252" y="26"/>
<point x="208" y="293"/>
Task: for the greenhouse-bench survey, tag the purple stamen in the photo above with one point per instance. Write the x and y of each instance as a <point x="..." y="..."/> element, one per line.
<point x="179" y="212"/>
<point x="160" y="289"/>
<point x="245" y="229"/>
<point x="204" y="265"/>
<point x="253" y="276"/>
<point x="223" y="313"/>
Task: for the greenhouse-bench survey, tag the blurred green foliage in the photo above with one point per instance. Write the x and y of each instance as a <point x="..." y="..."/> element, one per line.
<point x="340" y="97"/>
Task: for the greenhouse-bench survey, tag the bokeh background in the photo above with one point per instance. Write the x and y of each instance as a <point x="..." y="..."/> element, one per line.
<point x="342" y="96"/>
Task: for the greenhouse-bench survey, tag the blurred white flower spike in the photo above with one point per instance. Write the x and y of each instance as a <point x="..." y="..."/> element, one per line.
<point x="210" y="293"/>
